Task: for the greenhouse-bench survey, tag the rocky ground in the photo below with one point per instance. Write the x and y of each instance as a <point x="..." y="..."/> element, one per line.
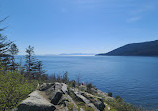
<point x="60" y="97"/>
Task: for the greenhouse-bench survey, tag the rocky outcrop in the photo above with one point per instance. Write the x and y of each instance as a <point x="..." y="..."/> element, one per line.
<point x="64" y="88"/>
<point x="45" y="86"/>
<point x="35" y="102"/>
<point x="55" y="99"/>
<point x="99" y="103"/>
<point x="54" y="91"/>
<point x="88" y="102"/>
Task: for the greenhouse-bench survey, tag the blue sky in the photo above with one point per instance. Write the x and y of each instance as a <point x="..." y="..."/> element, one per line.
<point x="79" y="26"/>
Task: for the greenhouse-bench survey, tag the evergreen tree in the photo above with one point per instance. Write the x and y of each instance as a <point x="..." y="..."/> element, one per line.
<point x="4" y="43"/>
<point x="38" y="70"/>
<point x="13" y="51"/>
<point x="4" y="49"/>
<point x="65" y="77"/>
<point x="34" y="67"/>
<point x="30" y="60"/>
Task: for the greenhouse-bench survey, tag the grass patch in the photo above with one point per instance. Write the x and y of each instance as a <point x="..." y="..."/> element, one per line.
<point x="121" y="105"/>
<point x="70" y="106"/>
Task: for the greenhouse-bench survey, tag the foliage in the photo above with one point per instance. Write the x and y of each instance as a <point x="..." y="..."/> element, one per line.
<point x="30" y="61"/>
<point x="119" y="99"/>
<point x="4" y="47"/>
<point x="87" y="108"/>
<point x="78" y="80"/>
<point x="110" y="94"/>
<point x="13" y="88"/>
<point x="16" y="81"/>
<point x="121" y="105"/>
<point x="65" y="77"/>
<point x="89" y="86"/>
<point x="34" y="67"/>
<point x="59" y="78"/>
<point x="70" y="106"/>
<point x="13" y="51"/>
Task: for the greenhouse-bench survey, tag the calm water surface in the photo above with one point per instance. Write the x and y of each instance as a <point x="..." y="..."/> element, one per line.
<point x="133" y="78"/>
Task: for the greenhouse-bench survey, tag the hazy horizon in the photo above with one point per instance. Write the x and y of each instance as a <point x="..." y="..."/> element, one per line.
<point x="78" y="26"/>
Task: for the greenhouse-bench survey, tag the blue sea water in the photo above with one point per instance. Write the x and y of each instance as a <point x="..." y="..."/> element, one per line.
<point x="135" y="79"/>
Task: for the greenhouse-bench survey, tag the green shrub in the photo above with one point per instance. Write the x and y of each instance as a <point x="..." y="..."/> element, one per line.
<point x="13" y="88"/>
<point x="119" y="99"/>
<point x="87" y="108"/>
<point x="89" y="86"/>
<point x="70" y="106"/>
<point x="121" y="106"/>
<point x="110" y="94"/>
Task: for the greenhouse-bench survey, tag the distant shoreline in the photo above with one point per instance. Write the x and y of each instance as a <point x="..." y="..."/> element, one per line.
<point x="75" y="55"/>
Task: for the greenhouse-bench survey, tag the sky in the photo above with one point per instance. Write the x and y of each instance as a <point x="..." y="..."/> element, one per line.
<point x="78" y="26"/>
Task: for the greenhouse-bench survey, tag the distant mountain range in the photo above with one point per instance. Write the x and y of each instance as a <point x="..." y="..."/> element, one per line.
<point x="135" y="49"/>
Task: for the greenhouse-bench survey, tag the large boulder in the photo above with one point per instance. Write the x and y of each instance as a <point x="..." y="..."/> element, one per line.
<point x="51" y="92"/>
<point x="56" y="91"/>
<point x="45" y="86"/>
<point x="26" y="107"/>
<point x="100" y="104"/>
<point x="56" y="98"/>
<point x="64" y="88"/>
<point x="54" y="88"/>
<point x="35" y="102"/>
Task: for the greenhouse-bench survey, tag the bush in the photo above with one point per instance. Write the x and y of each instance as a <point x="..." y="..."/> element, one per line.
<point x="87" y="108"/>
<point x="13" y="88"/>
<point x="70" y="106"/>
<point x="121" y="106"/>
<point x="110" y="94"/>
<point x="119" y="99"/>
<point x="89" y="86"/>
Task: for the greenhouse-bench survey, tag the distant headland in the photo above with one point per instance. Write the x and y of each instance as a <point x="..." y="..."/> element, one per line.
<point x="149" y="48"/>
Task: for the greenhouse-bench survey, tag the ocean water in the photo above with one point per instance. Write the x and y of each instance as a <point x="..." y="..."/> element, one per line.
<point x="135" y="79"/>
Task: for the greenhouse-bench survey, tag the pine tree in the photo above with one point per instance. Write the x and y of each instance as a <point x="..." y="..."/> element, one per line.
<point x="34" y="67"/>
<point x="30" y="60"/>
<point x="13" y="51"/>
<point x="4" y="49"/>
<point x="40" y="67"/>
<point x="4" y="43"/>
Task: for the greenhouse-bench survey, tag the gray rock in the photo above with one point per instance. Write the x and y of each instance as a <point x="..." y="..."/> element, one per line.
<point x="63" y="102"/>
<point x="54" y="91"/>
<point x="64" y="88"/>
<point x="51" y="92"/>
<point x="45" y="86"/>
<point x="56" y="98"/>
<point x="87" y="101"/>
<point x="54" y="88"/>
<point x="25" y="107"/>
<point x="35" y="102"/>
<point x="100" y="105"/>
